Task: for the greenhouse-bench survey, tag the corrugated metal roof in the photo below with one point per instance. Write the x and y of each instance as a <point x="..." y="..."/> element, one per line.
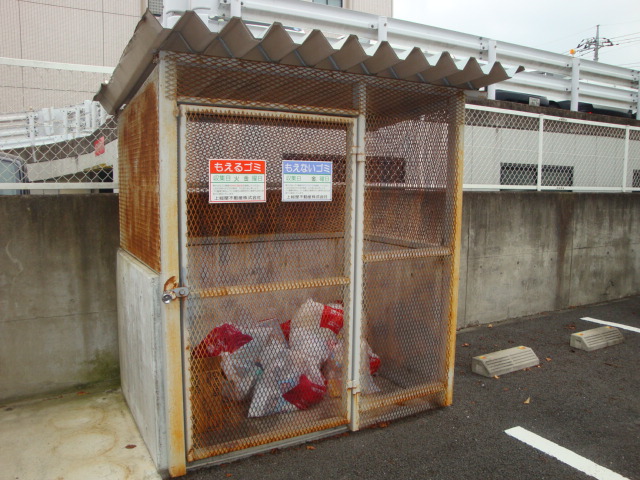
<point x="235" y="40"/>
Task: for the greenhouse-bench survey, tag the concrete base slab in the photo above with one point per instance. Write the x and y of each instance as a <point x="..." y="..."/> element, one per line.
<point x="79" y="435"/>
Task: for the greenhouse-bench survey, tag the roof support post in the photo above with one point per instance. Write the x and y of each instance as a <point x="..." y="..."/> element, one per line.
<point x="492" y="56"/>
<point x="382" y="29"/>
<point x="575" y="83"/>
<point x="236" y="8"/>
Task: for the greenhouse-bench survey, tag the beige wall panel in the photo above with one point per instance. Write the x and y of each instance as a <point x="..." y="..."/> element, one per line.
<point x="63" y="35"/>
<point x="118" y="30"/>
<point x="63" y="80"/>
<point x="132" y="8"/>
<point x="9" y="31"/>
<point x="35" y="99"/>
<point x="94" y="5"/>
<point x="11" y="100"/>
<point x="10" y="76"/>
<point x="377" y="7"/>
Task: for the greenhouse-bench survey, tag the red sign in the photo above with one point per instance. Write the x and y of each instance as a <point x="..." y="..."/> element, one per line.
<point x="237" y="166"/>
<point x="237" y="181"/>
<point x="98" y="146"/>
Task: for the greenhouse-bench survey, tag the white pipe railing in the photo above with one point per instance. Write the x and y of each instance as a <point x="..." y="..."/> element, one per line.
<point x="559" y="77"/>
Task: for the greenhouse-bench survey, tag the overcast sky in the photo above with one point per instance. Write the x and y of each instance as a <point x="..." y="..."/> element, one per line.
<point x="553" y="25"/>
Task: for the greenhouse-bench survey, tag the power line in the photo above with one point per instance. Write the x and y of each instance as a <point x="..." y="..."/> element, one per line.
<point x="594" y="43"/>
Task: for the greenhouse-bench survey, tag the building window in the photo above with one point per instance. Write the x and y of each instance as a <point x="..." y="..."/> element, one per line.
<point x="332" y="3"/>
<point x="527" y="174"/>
<point x="635" y="183"/>
<point x="155" y="7"/>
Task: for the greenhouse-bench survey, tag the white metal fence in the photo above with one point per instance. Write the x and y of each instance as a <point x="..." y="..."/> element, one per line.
<point x="72" y="148"/>
<point x="75" y="149"/>
<point x="507" y="149"/>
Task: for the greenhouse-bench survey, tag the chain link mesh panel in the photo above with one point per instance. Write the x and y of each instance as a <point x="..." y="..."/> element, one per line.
<point x="253" y="267"/>
<point x="633" y="168"/>
<point x="582" y="155"/>
<point x="139" y="197"/>
<point x="66" y="147"/>
<point x="502" y="150"/>
<point x="269" y="273"/>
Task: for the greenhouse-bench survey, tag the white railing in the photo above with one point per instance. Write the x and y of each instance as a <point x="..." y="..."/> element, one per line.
<point x="558" y="77"/>
<point x="514" y="150"/>
<point x="58" y="149"/>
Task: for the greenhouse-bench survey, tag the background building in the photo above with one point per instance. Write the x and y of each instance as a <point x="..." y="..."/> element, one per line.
<point x="55" y="53"/>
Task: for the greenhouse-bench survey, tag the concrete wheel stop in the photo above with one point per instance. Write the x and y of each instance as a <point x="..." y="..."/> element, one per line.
<point x="504" y="361"/>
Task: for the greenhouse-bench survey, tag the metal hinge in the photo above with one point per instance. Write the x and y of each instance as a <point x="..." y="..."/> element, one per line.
<point x="354" y="387"/>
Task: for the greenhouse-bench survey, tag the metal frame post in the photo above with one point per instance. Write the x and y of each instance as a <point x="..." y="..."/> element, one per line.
<point x="492" y="57"/>
<point x="575" y="83"/>
<point x="540" y="152"/>
<point x="358" y="185"/>
<point x="625" y="163"/>
<point x="457" y="144"/>
<point x="170" y="261"/>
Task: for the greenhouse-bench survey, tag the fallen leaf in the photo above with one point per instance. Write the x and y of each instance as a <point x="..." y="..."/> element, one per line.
<point x="130" y="446"/>
<point x="527" y="401"/>
<point x="505" y="389"/>
<point x="228" y="474"/>
<point x="310" y="447"/>
<point x="81" y="393"/>
<point x="548" y="359"/>
<point x="570" y="326"/>
<point x="496" y="376"/>
<point x="383" y="425"/>
<point x="466" y="344"/>
<point x="490" y="325"/>
<point x="538" y="366"/>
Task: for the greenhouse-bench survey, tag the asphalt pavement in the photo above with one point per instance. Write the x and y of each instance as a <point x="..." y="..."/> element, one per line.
<point x="586" y="402"/>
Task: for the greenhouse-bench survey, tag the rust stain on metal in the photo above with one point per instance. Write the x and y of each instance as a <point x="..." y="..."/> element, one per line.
<point x="171" y="284"/>
<point x="139" y="197"/>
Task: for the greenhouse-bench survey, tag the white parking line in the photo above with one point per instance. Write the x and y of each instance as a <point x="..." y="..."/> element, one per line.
<point x="612" y="324"/>
<point x="564" y="455"/>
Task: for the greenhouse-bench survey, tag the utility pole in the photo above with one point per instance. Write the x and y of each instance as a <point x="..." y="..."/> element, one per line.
<point x="593" y="43"/>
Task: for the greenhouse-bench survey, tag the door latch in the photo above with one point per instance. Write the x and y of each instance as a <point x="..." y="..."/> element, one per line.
<point x="173" y="291"/>
<point x="169" y="296"/>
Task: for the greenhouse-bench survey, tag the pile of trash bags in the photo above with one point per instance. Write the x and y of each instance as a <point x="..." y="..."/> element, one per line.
<point x="286" y="366"/>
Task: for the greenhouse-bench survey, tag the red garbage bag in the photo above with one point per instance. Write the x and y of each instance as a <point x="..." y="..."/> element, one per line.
<point x="225" y="338"/>
<point x="286" y="329"/>
<point x="374" y="363"/>
<point x="332" y="318"/>
<point x="305" y="394"/>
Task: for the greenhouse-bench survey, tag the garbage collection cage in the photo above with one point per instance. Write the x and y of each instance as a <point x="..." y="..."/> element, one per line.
<point x="318" y="220"/>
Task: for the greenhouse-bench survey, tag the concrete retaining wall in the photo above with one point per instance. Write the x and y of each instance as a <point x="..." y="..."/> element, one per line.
<point x="58" y="325"/>
<point x="522" y="253"/>
<point x="530" y="252"/>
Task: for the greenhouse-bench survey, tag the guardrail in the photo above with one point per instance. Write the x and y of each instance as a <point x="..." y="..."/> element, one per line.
<point x="58" y="149"/>
<point x="558" y="77"/>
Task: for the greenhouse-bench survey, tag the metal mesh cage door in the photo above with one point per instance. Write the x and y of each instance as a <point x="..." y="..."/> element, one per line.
<point x="411" y="217"/>
<point x="266" y="322"/>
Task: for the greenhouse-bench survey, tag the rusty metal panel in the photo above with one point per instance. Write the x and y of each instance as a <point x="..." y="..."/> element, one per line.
<point x="139" y="196"/>
<point x="411" y="216"/>
<point x="254" y="267"/>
